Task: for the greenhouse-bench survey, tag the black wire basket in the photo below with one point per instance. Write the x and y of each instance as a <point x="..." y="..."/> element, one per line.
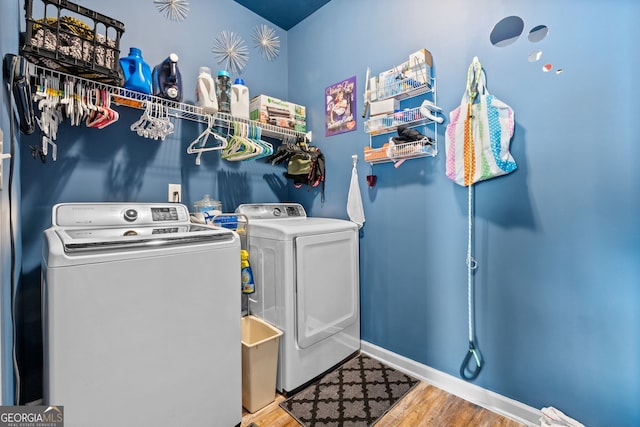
<point x="70" y="38"/>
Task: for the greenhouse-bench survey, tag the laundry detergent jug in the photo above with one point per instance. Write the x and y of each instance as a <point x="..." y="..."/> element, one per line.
<point x="167" y="81"/>
<point x="239" y="99"/>
<point x="206" y="92"/>
<point x="136" y="72"/>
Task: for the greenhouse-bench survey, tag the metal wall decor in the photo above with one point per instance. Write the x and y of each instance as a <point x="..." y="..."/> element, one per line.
<point x="175" y="10"/>
<point x="230" y="49"/>
<point x="266" y="41"/>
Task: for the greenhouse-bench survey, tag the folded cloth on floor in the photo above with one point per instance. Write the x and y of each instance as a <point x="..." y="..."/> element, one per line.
<point x="552" y="417"/>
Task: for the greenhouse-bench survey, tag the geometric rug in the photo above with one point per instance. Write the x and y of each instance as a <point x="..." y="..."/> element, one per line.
<point x="358" y="393"/>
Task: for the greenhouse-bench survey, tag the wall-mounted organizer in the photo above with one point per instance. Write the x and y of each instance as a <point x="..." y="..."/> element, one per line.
<point x="55" y="92"/>
<point x="393" y="130"/>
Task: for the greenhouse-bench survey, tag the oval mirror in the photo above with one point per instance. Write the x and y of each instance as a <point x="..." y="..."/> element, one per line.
<point x="538" y="33"/>
<point x="506" y="31"/>
<point x="535" y="55"/>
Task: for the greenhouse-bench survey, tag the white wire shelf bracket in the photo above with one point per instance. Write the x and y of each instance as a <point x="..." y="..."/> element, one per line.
<point x="179" y="110"/>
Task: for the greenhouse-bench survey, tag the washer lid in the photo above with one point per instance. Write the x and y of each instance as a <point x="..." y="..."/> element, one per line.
<point x="82" y="240"/>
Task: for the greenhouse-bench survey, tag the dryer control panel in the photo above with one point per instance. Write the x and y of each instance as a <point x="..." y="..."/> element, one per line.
<point x="272" y="210"/>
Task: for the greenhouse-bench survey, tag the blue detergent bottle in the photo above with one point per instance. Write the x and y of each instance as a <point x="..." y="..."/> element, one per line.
<point x="167" y="81"/>
<point x="136" y="72"/>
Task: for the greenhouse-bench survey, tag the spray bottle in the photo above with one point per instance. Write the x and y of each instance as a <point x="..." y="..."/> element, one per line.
<point x="248" y="286"/>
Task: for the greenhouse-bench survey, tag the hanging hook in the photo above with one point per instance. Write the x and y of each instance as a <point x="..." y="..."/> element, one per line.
<point x="354" y="159"/>
<point x="473" y="371"/>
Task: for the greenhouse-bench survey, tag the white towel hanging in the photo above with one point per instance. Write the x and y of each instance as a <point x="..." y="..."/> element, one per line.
<point x="354" y="200"/>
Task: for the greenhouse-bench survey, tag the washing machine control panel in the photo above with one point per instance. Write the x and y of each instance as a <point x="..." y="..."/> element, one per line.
<point x="272" y="210"/>
<point x="118" y="214"/>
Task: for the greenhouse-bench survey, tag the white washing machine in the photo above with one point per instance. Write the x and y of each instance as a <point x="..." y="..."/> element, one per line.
<point x="306" y="272"/>
<point x="141" y="317"/>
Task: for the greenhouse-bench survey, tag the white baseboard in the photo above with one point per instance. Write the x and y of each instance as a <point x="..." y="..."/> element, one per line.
<point x="494" y="402"/>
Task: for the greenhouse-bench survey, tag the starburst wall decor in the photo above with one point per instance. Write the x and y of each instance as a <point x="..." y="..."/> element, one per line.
<point x="266" y="41"/>
<point x="230" y="49"/>
<point x="175" y="10"/>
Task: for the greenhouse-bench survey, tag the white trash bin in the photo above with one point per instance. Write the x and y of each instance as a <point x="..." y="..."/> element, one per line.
<point x="259" y="363"/>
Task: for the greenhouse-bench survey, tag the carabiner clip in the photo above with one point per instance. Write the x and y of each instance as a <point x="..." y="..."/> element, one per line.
<point x="465" y="367"/>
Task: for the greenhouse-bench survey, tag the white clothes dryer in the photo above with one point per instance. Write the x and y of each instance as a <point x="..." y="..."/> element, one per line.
<point x="141" y="317"/>
<point x="306" y="271"/>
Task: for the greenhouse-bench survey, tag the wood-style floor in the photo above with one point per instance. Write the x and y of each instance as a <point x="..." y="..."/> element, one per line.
<point x="424" y="406"/>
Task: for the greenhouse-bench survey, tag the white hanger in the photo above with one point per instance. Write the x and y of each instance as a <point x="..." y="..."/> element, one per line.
<point x="203" y="138"/>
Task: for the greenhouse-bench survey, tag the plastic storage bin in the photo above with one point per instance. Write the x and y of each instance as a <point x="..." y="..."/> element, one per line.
<point x="259" y="363"/>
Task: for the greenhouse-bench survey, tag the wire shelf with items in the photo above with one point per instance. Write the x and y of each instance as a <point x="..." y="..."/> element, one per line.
<point x="383" y="95"/>
<point x="386" y="123"/>
<point x="179" y="110"/>
<point x="402" y="82"/>
<point x="394" y="152"/>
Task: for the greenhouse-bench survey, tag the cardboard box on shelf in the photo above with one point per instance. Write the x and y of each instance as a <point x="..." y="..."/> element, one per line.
<point x="274" y="111"/>
<point x="420" y="63"/>
<point x="386" y="106"/>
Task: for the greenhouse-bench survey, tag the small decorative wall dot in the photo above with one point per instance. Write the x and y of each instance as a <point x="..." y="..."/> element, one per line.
<point x="266" y="41"/>
<point x="175" y="10"/>
<point x="559" y="71"/>
<point x="547" y="67"/>
<point x="231" y="50"/>
<point x="534" y="55"/>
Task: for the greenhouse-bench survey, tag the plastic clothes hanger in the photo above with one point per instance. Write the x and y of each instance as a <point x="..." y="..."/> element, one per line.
<point x="111" y="116"/>
<point x="203" y="138"/>
<point x="255" y="134"/>
<point x="242" y="147"/>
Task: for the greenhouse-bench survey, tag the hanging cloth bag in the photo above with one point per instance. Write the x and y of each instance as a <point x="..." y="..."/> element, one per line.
<point x="478" y="134"/>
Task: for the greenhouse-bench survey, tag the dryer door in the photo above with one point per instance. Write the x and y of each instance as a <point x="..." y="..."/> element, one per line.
<point x="327" y="282"/>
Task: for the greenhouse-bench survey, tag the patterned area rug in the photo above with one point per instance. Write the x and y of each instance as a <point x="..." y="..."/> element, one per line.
<point x="356" y="394"/>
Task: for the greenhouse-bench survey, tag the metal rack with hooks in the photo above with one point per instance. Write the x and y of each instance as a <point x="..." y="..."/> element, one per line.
<point x="179" y="110"/>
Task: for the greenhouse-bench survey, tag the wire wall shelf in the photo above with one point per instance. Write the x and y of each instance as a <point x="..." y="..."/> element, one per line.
<point x="179" y="110"/>
<point x="393" y="152"/>
<point x="402" y="84"/>
<point x="386" y="123"/>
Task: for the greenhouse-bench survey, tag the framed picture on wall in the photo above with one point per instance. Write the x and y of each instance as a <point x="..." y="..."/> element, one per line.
<point x="340" y="107"/>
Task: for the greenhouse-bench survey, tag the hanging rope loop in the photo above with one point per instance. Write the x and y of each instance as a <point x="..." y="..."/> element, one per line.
<point x="470" y="371"/>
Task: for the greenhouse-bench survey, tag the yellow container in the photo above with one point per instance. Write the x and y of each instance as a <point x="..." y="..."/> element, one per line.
<point x="259" y="363"/>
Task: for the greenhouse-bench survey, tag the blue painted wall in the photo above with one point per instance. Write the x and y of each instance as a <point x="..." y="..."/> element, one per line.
<point x="115" y="164"/>
<point x="556" y="241"/>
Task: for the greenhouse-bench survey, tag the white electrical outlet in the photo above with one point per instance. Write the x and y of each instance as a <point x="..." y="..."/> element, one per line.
<point x="175" y="193"/>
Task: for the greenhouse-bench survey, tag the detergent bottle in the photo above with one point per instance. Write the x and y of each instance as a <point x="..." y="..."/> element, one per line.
<point x="239" y="99"/>
<point x="248" y="286"/>
<point x="136" y="72"/>
<point x="223" y="91"/>
<point x="167" y="81"/>
<point x="206" y="92"/>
